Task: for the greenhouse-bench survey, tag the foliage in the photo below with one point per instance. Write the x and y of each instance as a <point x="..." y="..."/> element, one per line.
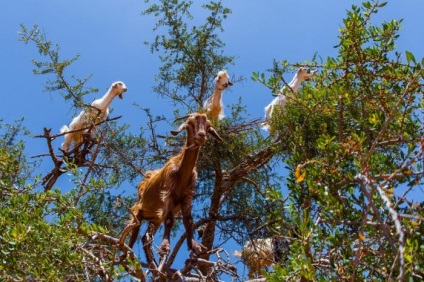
<point x="354" y="145"/>
<point x="56" y="68"/>
<point x="31" y="247"/>
<point x="190" y="54"/>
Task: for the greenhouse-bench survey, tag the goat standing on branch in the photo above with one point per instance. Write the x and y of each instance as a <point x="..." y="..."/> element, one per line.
<point x="165" y="191"/>
<point x="98" y="111"/>
<point x="213" y="105"/>
<point x="262" y="253"/>
<point x="281" y="99"/>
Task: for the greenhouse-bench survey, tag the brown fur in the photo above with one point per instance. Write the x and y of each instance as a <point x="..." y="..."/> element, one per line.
<point x="166" y="191"/>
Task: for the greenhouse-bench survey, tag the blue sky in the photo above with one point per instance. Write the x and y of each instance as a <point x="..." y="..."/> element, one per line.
<point x="109" y="37"/>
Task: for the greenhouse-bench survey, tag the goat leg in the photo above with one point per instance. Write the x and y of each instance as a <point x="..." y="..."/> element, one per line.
<point x="147" y="245"/>
<point x="197" y="248"/>
<point x="134" y="235"/>
<point x="126" y="231"/>
<point x="165" y="247"/>
<point x="135" y="228"/>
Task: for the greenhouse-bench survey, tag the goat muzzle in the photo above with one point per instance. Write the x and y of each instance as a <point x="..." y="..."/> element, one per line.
<point x="121" y="95"/>
<point x="200" y="139"/>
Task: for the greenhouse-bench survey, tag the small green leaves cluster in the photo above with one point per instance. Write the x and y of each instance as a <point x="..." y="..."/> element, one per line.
<point x="359" y="116"/>
<point x="191" y="54"/>
<point x="56" y="68"/>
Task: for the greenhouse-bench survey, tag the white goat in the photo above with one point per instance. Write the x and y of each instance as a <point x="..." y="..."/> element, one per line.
<point x="213" y="105"/>
<point x="97" y="112"/>
<point x="258" y="254"/>
<point x="281" y="100"/>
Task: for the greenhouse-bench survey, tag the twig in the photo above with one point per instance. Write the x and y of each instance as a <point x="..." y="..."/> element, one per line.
<point x="137" y="272"/>
<point x="395" y="217"/>
<point x="98" y="261"/>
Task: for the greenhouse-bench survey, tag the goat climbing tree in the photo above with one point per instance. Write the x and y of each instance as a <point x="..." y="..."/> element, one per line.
<point x="352" y="143"/>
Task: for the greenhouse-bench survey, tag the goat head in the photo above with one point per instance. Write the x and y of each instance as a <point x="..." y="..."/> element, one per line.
<point x="200" y="125"/>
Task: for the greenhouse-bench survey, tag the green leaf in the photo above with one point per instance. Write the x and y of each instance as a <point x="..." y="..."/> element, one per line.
<point x="366" y="5"/>
<point x="255" y="76"/>
<point x="410" y="57"/>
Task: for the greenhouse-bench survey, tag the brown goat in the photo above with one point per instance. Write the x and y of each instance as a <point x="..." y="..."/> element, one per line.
<point x="165" y="191"/>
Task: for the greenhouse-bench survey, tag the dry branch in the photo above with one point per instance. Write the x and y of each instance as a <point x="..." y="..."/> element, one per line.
<point x="77" y="156"/>
<point x="222" y="265"/>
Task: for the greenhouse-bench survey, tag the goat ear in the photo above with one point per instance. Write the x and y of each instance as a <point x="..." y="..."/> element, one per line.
<point x="181" y="128"/>
<point x="213" y="132"/>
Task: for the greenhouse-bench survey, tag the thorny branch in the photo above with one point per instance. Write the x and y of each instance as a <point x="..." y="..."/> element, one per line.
<point x="365" y="179"/>
<point x="187" y="273"/>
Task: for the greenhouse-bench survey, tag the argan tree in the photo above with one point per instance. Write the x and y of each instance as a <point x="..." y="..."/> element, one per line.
<point x="353" y="141"/>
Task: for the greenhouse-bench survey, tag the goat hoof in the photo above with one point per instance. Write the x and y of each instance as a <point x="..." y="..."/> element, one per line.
<point x="198" y="248"/>
<point x="164" y="248"/>
<point x="122" y="257"/>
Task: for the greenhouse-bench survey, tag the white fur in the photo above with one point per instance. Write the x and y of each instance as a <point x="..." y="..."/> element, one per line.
<point x="257" y="254"/>
<point x="281" y="100"/>
<point x="98" y="111"/>
<point x="213" y="105"/>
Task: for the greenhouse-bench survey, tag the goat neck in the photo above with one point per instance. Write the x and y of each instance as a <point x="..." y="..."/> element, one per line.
<point x="196" y="127"/>
<point x="301" y="75"/>
<point x="189" y="154"/>
<point x="295" y="83"/>
<point x="188" y="163"/>
<point x="216" y="97"/>
<point x="116" y="89"/>
<point x="104" y="102"/>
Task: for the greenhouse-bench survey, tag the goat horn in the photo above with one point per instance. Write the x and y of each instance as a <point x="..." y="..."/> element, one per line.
<point x="181" y="128"/>
<point x="213" y="132"/>
<point x="183" y="117"/>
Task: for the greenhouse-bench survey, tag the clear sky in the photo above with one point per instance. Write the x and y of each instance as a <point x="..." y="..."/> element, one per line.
<point x="109" y="37"/>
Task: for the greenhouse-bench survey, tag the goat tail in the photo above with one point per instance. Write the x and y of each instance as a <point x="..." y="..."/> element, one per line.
<point x="64" y="129"/>
<point x="268" y="113"/>
<point x="237" y="254"/>
<point x="265" y="125"/>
